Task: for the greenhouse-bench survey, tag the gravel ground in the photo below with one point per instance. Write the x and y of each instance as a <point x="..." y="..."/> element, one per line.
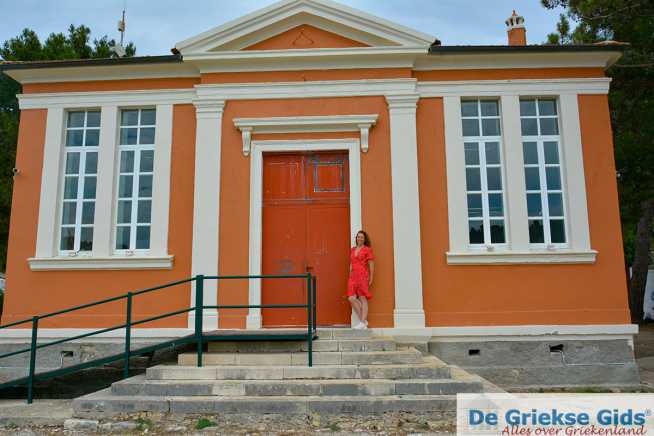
<point x="157" y="424"/>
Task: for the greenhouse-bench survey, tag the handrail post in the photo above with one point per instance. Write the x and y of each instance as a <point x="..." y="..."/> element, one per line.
<point x="128" y="335"/>
<point x="199" y="303"/>
<point x="315" y="303"/>
<point x="309" y="321"/>
<point x="30" y="380"/>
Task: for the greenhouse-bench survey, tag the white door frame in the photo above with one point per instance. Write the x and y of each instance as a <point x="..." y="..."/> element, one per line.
<point x="256" y="197"/>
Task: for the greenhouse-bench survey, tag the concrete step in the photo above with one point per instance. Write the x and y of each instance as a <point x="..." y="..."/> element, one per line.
<point x="140" y="386"/>
<point x="437" y="370"/>
<point x="344" y="333"/>
<point x="365" y="344"/>
<point x="319" y="358"/>
<point x="102" y="404"/>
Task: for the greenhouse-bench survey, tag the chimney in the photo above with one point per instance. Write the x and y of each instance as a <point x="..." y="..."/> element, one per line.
<point x="515" y="28"/>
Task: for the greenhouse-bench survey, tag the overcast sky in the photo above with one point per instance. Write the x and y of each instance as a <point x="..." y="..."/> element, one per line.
<point x="156" y="25"/>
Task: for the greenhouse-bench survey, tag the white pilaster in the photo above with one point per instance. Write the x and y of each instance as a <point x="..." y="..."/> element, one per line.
<point x="409" y="311"/>
<point x="161" y="186"/>
<point x="516" y="203"/>
<point x="106" y="172"/>
<point x="46" y="239"/>
<point x="457" y="208"/>
<point x="254" y="318"/>
<point x="573" y="168"/>
<point x="206" y="206"/>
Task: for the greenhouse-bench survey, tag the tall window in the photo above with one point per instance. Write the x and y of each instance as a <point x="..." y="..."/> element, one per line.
<point x="133" y="217"/>
<point x="483" y="166"/>
<point x="80" y="177"/>
<point x="542" y="159"/>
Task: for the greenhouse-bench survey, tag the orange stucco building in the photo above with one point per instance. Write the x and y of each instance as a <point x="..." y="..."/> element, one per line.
<point x="483" y="174"/>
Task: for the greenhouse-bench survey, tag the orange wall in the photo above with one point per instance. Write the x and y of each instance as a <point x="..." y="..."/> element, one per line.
<point x="376" y="196"/>
<point x="31" y="293"/>
<point x="464" y="295"/>
<point x="303" y="37"/>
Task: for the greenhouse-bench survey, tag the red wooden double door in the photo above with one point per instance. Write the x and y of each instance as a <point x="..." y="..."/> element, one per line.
<point x="306" y="227"/>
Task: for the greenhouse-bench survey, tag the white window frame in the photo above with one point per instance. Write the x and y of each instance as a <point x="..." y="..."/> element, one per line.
<point x="481" y="141"/>
<point x="47" y="256"/>
<point x="544" y="190"/>
<point x="81" y="175"/>
<point x="138" y="149"/>
<point x="518" y="250"/>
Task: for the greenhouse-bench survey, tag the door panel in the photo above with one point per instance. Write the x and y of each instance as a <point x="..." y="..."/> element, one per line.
<point x="306" y="226"/>
<point x="328" y="250"/>
<point x="283" y="178"/>
<point x="284" y="253"/>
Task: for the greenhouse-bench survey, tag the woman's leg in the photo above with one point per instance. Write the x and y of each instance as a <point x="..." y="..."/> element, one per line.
<point x="363" y="301"/>
<point x="356" y="305"/>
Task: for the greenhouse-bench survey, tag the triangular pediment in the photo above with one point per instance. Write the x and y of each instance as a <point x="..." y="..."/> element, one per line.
<point x="303" y="24"/>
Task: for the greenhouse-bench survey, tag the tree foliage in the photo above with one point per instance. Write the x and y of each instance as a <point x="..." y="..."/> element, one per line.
<point x="632" y="113"/>
<point x="76" y="44"/>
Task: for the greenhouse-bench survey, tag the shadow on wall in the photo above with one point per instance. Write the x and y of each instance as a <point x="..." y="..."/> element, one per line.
<point x="648" y="304"/>
<point x="2" y="291"/>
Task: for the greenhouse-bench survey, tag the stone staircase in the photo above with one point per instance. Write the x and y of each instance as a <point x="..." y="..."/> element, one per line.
<point x="354" y="372"/>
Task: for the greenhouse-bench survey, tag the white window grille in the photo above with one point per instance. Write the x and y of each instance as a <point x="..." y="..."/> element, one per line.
<point x="135" y="174"/>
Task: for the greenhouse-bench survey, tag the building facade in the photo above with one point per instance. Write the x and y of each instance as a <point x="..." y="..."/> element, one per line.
<point x="483" y="174"/>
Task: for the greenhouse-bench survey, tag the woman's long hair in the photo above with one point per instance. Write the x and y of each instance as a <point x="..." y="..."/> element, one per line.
<point x="366" y="238"/>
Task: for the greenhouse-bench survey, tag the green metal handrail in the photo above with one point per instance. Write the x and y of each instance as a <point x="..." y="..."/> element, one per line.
<point x="197" y="337"/>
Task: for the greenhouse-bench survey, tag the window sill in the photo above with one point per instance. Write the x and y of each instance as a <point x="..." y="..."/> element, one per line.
<point x="100" y="263"/>
<point x="524" y="257"/>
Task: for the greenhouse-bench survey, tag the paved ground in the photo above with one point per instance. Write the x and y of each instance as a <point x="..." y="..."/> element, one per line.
<point x="41" y="412"/>
<point x="155" y="424"/>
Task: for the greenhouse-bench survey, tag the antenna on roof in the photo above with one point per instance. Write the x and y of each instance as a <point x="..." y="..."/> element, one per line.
<point x="119" y="49"/>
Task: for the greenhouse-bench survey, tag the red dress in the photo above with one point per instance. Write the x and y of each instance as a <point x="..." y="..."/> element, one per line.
<point x="357" y="284"/>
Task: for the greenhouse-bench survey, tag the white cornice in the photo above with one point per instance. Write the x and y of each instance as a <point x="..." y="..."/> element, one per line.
<point x="322" y="123"/>
<point x="304" y="53"/>
<point x="94" y="73"/>
<point x="326" y="123"/>
<point x="331" y="88"/>
<point x="467" y="61"/>
<point x="352" y="62"/>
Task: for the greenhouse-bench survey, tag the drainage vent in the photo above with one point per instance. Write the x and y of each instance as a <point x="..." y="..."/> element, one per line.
<point x="474" y="352"/>
<point x="556" y="348"/>
<point x="66" y="354"/>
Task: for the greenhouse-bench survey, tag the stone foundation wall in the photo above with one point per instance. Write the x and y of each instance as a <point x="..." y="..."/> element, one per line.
<point x="532" y="364"/>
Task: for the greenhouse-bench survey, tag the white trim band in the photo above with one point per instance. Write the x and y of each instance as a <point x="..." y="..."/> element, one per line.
<point x="514" y="258"/>
<point x="99" y="263"/>
<point x="486" y="333"/>
<point x="494" y="88"/>
<point x="72" y="100"/>
<point x="316" y="89"/>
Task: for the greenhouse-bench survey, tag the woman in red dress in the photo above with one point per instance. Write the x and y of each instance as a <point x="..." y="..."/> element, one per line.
<point x="362" y="268"/>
